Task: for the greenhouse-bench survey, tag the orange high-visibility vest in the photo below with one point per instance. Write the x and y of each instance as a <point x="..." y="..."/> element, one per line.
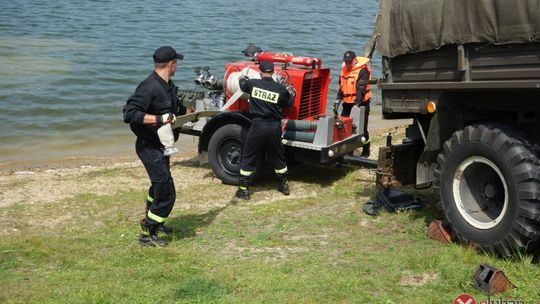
<point x="348" y="79"/>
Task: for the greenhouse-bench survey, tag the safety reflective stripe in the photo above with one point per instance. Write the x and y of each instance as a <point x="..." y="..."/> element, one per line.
<point x="156" y="218"/>
<point x="245" y="173"/>
<point x="242" y="187"/>
<point x="149" y="198"/>
<point x="281" y="171"/>
<point x="262" y="94"/>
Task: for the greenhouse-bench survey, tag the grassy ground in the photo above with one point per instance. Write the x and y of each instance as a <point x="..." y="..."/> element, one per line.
<point x="70" y="237"/>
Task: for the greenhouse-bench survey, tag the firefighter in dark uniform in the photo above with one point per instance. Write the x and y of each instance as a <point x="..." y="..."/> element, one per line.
<point x="354" y="89"/>
<point x="154" y="104"/>
<point x="265" y="108"/>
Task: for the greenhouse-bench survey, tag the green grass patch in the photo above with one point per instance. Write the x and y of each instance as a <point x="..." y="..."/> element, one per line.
<point x="315" y="248"/>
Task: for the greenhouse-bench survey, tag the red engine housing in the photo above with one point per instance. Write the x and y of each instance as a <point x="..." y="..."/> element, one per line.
<point x="311" y="87"/>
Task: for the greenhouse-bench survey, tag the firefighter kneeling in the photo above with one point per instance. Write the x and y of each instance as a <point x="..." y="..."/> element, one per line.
<point x="265" y="109"/>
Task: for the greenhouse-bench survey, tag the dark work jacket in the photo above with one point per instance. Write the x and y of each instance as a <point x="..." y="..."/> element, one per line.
<point x="153" y="96"/>
<point x="267" y="97"/>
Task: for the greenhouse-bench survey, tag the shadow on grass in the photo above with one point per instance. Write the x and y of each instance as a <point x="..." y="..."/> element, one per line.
<point x="194" y="163"/>
<point x="199" y="289"/>
<point x="302" y="172"/>
<point x="324" y="176"/>
<point x="431" y="210"/>
<point x="190" y="162"/>
<point x="185" y="226"/>
<point x="429" y="200"/>
<point x="319" y="174"/>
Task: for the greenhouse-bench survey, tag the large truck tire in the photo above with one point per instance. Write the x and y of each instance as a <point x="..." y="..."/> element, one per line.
<point x="225" y="151"/>
<point x="489" y="183"/>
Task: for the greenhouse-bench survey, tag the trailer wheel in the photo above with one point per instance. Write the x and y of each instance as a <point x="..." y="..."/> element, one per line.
<point x="225" y="151"/>
<point x="489" y="187"/>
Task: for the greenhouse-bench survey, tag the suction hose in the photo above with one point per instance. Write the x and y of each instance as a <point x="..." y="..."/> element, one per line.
<point x="299" y="135"/>
<point x="300" y="125"/>
<point x="233" y="85"/>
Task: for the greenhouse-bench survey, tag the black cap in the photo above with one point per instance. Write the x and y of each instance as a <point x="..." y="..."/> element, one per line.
<point x="166" y="54"/>
<point x="266" y="66"/>
<point x="349" y="56"/>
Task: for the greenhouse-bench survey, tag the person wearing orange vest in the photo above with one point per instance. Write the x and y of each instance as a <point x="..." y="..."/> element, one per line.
<point x="354" y="89"/>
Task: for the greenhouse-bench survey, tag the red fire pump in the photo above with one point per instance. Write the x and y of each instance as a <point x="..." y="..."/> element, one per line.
<point x="309" y="134"/>
<point x="314" y="82"/>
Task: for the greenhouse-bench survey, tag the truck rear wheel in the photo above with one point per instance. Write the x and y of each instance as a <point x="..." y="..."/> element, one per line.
<point x="489" y="185"/>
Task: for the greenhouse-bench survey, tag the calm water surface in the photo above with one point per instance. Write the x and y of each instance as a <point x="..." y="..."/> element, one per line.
<point x="68" y="66"/>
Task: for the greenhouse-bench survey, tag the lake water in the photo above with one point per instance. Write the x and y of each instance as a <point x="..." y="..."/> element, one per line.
<point x="68" y="66"/>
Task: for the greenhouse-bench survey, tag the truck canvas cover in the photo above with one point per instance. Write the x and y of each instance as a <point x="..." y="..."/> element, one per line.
<point x="419" y="25"/>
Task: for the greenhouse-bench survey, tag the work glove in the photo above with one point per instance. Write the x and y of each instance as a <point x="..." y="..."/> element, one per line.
<point x="166" y="118"/>
<point x="242" y="80"/>
<point x="292" y="90"/>
<point x="242" y="83"/>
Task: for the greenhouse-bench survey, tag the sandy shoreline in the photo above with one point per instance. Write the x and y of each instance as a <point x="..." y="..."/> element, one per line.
<point x="52" y="180"/>
<point x="27" y="167"/>
<point x="126" y="154"/>
<point x="119" y="153"/>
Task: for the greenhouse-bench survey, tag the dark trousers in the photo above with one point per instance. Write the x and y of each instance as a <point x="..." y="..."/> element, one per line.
<point x="162" y="193"/>
<point x="264" y="135"/>
<point x="347" y="112"/>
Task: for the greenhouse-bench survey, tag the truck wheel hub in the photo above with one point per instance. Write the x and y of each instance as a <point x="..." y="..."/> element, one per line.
<point x="491" y="191"/>
<point x="230" y="153"/>
<point x="234" y="155"/>
<point x="480" y="192"/>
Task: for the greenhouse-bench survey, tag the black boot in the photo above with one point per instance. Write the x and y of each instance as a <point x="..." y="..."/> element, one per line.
<point x="161" y="227"/>
<point x="165" y="229"/>
<point x="283" y="185"/>
<point x="149" y="237"/>
<point x="366" y="150"/>
<point x="242" y="193"/>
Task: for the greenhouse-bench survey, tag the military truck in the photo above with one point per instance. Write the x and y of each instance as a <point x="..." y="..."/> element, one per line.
<point x="468" y="74"/>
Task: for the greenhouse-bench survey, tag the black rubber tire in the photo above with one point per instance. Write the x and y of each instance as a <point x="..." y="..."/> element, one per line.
<point x="475" y="165"/>
<point x="225" y="151"/>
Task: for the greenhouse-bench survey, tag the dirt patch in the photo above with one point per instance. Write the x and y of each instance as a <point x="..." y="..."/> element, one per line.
<point x="198" y="190"/>
<point x="239" y="251"/>
<point x="39" y="165"/>
<point x="46" y="186"/>
<point x="412" y="280"/>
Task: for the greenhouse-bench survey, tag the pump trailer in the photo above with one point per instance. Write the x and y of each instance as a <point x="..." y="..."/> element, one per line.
<point x="221" y="118"/>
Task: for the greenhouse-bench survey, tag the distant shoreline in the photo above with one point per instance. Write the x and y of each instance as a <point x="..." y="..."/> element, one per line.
<point x="125" y="152"/>
<point x="94" y="155"/>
